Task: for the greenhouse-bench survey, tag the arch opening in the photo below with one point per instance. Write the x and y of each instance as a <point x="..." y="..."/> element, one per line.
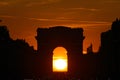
<point x="60" y="60"/>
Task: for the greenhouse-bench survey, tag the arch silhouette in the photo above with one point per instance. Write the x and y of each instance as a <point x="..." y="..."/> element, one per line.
<point x="49" y="38"/>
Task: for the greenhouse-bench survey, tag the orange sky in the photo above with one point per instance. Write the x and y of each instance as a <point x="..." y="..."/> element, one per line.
<point x="23" y="17"/>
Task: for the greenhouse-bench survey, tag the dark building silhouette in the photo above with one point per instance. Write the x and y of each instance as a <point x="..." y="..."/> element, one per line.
<point x="90" y="49"/>
<point x="17" y="56"/>
<point x="23" y="62"/>
<point x="110" y="51"/>
<point x="4" y="33"/>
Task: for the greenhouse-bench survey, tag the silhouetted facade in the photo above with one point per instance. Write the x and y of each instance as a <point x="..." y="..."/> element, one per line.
<point x="4" y="34"/>
<point x="17" y="56"/>
<point x="90" y="49"/>
<point x="23" y="62"/>
<point x="50" y="38"/>
<point x="110" y="51"/>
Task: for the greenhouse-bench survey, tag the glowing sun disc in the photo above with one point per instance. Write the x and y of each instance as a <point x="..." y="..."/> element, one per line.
<point x="60" y="64"/>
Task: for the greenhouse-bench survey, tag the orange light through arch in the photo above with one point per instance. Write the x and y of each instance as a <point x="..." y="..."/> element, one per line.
<point x="60" y="63"/>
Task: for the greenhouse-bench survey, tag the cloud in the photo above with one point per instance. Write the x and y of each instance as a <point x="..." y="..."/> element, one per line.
<point x="3" y="3"/>
<point x="71" y="20"/>
<point x="9" y="2"/>
<point x="42" y="2"/>
<point x="63" y="20"/>
<point x="112" y="1"/>
<point x="28" y="3"/>
<point x="6" y="16"/>
<point x="39" y="19"/>
<point x="60" y="19"/>
<point x="87" y="25"/>
<point x="85" y="9"/>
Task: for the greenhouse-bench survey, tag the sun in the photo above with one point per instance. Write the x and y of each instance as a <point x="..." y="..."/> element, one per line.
<point x="60" y="60"/>
<point x="60" y="64"/>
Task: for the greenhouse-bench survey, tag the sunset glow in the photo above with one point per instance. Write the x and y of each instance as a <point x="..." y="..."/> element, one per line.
<point x="23" y="17"/>
<point x="60" y="60"/>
